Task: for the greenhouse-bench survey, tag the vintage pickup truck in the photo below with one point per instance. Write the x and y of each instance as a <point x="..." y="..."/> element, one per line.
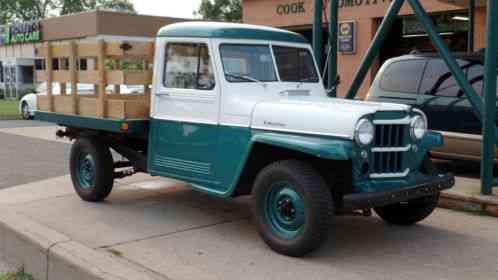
<point x="238" y="109"/>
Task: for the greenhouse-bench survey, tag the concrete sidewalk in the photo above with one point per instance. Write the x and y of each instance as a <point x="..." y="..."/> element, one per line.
<point x="466" y="196"/>
<point x="160" y="229"/>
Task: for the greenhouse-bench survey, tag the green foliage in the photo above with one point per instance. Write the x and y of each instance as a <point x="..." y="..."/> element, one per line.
<point x="75" y="6"/>
<point x="125" y="64"/>
<point x="220" y="10"/>
<point x="9" y="110"/>
<point x="27" y="10"/>
<point x="19" y="275"/>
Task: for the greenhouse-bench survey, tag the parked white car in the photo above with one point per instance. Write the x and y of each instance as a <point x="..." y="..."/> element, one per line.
<point x="28" y="104"/>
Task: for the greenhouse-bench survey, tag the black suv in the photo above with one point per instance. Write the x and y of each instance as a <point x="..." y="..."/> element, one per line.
<point x="425" y="82"/>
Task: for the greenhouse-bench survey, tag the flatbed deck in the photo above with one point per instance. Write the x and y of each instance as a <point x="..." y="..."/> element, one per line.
<point x="133" y="127"/>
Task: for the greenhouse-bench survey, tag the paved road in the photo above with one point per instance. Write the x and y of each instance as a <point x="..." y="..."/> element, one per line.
<point x="19" y="123"/>
<point x="5" y="267"/>
<point x="24" y="160"/>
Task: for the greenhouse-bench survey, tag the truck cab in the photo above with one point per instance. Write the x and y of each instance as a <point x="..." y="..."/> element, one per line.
<point x="240" y="109"/>
<point x="214" y="86"/>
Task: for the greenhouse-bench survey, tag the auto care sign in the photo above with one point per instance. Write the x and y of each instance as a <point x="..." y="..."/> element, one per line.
<point x="347" y="37"/>
<point x="19" y="33"/>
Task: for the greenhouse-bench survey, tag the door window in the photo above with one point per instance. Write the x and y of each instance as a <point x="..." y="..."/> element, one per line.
<point x="403" y="76"/>
<point x="188" y="66"/>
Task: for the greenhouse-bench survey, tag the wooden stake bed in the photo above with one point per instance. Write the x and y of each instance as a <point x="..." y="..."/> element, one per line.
<point x="98" y="64"/>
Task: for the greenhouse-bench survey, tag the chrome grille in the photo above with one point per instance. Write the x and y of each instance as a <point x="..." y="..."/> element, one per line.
<point x="389" y="135"/>
<point x="389" y="150"/>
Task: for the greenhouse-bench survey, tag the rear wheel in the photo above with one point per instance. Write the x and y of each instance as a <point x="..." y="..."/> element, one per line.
<point x="92" y="169"/>
<point x="292" y="207"/>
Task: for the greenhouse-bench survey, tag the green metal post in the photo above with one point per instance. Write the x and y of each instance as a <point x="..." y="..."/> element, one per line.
<point x="317" y="32"/>
<point x="332" y="64"/>
<point x="472" y="21"/>
<point x="373" y="51"/>
<point x="489" y="114"/>
<point x="445" y="53"/>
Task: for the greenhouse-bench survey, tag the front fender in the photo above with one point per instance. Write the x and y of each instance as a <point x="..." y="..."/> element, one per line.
<point x="318" y="146"/>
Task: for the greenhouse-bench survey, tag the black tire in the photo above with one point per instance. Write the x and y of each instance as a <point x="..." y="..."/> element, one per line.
<point x="97" y="187"/>
<point x="25" y="111"/>
<point x="413" y="211"/>
<point x="317" y="206"/>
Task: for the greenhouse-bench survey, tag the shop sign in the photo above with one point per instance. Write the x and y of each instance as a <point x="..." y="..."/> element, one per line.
<point x="291" y="8"/>
<point x="346" y="39"/>
<point x="18" y="33"/>
<point x="358" y="3"/>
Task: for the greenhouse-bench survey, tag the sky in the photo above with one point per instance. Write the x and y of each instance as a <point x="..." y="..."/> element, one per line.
<point x="171" y="8"/>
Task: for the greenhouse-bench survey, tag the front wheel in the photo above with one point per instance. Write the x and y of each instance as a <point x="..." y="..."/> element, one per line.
<point x="292" y="207"/>
<point x="92" y="169"/>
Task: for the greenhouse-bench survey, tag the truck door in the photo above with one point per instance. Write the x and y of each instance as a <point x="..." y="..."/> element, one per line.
<point x="184" y="114"/>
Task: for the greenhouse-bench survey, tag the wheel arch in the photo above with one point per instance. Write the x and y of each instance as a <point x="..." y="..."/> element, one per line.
<point x="323" y="154"/>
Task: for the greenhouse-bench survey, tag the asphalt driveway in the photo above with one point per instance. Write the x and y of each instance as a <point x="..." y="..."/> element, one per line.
<point x="24" y="159"/>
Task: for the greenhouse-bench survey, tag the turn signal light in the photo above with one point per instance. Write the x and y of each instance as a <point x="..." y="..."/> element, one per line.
<point x="125" y="126"/>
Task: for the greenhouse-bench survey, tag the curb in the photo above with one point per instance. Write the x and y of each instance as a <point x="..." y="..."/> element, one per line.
<point x="49" y="255"/>
<point x="471" y="203"/>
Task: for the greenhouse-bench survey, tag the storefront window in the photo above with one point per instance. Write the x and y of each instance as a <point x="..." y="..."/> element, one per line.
<point x="247" y="63"/>
<point x="295" y="65"/>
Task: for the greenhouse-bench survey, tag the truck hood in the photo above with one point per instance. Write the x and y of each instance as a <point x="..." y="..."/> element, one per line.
<point x="316" y="115"/>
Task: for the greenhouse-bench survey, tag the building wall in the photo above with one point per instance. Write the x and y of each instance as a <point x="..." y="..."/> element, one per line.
<point x="94" y="24"/>
<point x="264" y="12"/>
<point x="480" y="29"/>
<point x="126" y="24"/>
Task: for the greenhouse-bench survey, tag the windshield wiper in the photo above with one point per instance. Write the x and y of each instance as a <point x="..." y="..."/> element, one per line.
<point x="244" y="77"/>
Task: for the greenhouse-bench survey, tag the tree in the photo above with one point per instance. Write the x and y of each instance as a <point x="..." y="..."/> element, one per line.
<point x="26" y="10"/>
<point x="220" y="10"/>
<point x="75" y="6"/>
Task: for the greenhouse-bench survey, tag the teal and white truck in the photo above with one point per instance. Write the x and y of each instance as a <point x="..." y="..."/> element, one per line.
<point x="241" y="110"/>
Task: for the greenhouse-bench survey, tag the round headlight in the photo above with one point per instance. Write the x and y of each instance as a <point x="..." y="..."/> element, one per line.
<point x="418" y="128"/>
<point x="364" y="133"/>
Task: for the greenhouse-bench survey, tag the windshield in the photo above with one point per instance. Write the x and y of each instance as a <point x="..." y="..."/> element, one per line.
<point x="295" y="65"/>
<point x="247" y="63"/>
<point x="254" y="63"/>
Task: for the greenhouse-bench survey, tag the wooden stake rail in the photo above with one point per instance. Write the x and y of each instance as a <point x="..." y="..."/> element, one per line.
<point x="102" y="69"/>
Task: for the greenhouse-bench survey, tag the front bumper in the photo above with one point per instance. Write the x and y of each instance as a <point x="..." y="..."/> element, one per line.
<point x="377" y="199"/>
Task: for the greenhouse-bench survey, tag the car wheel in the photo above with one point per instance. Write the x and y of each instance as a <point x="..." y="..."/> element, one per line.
<point x="292" y="207"/>
<point x="92" y="169"/>
<point x="410" y="212"/>
<point x="25" y="113"/>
